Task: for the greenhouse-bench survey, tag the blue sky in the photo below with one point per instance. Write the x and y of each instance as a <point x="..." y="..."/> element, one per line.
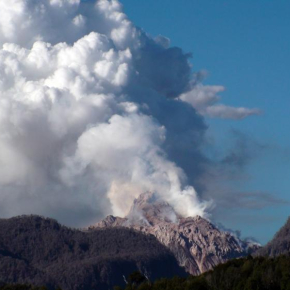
<point x="244" y="46"/>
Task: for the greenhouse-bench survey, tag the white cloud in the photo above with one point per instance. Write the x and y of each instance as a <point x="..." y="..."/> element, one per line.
<point x="90" y="113"/>
<point x="226" y="112"/>
<point x="85" y="125"/>
<point x="205" y="98"/>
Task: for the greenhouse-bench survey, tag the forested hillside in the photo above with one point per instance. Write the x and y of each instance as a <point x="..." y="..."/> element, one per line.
<point x="239" y="274"/>
<point x="39" y="251"/>
<point x="279" y="245"/>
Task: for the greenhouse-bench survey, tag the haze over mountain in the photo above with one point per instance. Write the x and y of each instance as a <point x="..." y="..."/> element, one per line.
<point x="197" y="244"/>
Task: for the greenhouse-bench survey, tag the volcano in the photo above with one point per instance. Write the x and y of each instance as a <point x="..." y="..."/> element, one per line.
<point x="197" y="244"/>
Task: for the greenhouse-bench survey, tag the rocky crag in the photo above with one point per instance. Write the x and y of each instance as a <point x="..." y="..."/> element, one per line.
<point x="197" y="244"/>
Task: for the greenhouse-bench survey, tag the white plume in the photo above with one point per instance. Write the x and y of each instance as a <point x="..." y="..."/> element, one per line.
<point x="89" y="115"/>
<point x="205" y="100"/>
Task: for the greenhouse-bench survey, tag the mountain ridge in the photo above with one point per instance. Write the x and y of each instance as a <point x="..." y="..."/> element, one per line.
<point x="279" y="245"/>
<point x="197" y="244"/>
<point x="39" y="251"/>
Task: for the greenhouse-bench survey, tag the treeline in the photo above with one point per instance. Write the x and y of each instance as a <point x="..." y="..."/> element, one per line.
<point x="4" y="286"/>
<point x="241" y="274"/>
<point x="39" y="251"/>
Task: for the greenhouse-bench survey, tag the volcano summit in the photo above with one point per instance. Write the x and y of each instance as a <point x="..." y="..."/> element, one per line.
<point x="196" y="243"/>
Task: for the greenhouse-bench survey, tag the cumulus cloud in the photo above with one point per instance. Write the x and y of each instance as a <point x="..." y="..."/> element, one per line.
<point x="205" y="100"/>
<point x="90" y="113"/>
<point x="82" y="124"/>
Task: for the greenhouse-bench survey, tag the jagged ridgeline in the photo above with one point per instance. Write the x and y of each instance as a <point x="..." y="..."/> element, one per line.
<point x="41" y="252"/>
<point x="198" y="245"/>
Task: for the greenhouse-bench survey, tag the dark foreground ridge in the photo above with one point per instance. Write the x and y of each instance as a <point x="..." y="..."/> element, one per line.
<point x="41" y="252"/>
<point x="4" y="286"/>
<point x="240" y="274"/>
<point x="249" y="273"/>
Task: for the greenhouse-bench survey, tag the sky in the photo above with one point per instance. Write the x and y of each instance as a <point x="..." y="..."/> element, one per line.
<point x="244" y="46"/>
<point x="101" y="102"/>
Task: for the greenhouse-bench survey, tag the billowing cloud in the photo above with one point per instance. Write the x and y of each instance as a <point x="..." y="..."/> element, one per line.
<point x="91" y="114"/>
<point x="205" y="100"/>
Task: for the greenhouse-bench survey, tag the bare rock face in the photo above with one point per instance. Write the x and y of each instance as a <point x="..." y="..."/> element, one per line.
<point x="196" y="243"/>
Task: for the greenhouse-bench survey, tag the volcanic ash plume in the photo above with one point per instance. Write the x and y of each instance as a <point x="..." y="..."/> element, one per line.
<point x="90" y="114"/>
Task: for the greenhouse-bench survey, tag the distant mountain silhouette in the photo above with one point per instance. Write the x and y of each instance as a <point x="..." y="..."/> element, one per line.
<point x="40" y="251"/>
<point x="279" y="245"/>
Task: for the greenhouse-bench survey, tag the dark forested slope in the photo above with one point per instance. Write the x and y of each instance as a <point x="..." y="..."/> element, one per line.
<point x="240" y="274"/>
<point x="40" y="251"/>
<point x="279" y="245"/>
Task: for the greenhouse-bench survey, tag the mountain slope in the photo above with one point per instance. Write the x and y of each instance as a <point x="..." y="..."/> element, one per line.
<point x="279" y="245"/>
<point x="239" y="274"/>
<point x="196" y="243"/>
<point x="42" y="252"/>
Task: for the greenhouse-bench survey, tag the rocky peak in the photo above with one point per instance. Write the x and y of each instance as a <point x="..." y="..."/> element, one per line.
<point x="110" y="221"/>
<point x="150" y="210"/>
<point x="197" y="244"/>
